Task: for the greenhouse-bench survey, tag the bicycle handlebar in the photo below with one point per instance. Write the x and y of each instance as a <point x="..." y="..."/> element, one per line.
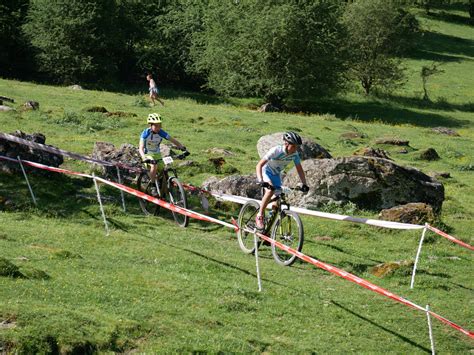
<point x="179" y="157"/>
<point x="271" y="187"/>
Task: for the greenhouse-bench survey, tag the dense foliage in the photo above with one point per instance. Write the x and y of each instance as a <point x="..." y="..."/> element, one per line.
<point x="272" y="49"/>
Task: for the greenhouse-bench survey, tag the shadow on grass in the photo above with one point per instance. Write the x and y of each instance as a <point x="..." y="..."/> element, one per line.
<point x="384" y="111"/>
<point x="391" y="332"/>
<point x="441" y="47"/>
<point x="223" y="263"/>
<point x="419" y="103"/>
<point x="451" y="18"/>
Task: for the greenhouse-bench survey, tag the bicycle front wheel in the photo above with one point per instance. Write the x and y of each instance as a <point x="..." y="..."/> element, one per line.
<point x="288" y="230"/>
<point x="247" y="221"/>
<point x="178" y="198"/>
<point x="144" y="185"/>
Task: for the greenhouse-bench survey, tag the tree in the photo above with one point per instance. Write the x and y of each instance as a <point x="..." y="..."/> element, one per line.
<point x="74" y="39"/>
<point x="14" y="51"/>
<point x="377" y="33"/>
<point x="275" y="50"/>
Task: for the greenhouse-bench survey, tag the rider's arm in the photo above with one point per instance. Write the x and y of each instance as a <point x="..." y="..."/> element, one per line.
<point x="300" y="171"/>
<point x="175" y="142"/>
<point x="141" y="148"/>
<point x="259" y="169"/>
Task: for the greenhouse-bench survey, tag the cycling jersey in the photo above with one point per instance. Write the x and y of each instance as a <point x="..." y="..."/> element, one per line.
<point x="151" y="141"/>
<point x="278" y="159"/>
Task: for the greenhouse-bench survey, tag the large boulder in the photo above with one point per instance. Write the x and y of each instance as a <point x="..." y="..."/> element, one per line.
<point x="234" y="185"/>
<point x="13" y="150"/>
<point x="370" y="183"/>
<point x="308" y="150"/>
<point x="126" y="155"/>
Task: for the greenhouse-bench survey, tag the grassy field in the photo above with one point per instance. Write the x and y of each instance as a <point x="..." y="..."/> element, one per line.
<point x="153" y="287"/>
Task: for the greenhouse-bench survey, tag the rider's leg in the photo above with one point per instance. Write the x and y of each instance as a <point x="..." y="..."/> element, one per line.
<point x="152" y="172"/>
<point x="265" y="200"/>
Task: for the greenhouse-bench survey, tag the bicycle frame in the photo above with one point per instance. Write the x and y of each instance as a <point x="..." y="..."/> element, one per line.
<point x="277" y="212"/>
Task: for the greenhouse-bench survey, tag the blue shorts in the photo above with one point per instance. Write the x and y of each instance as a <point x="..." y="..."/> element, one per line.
<point x="274" y="179"/>
<point x="154" y="91"/>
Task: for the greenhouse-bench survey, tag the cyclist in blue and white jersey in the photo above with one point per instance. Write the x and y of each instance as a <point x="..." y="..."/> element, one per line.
<point x="269" y="170"/>
<point x="150" y="140"/>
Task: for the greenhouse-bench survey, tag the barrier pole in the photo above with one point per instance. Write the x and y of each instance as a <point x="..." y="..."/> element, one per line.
<point x="256" y="260"/>
<point x="121" y="191"/>
<point x="101" y="207"/>
<point x="417" y="257"/>
<point x="430" y="330"/>
<point x="27" y="181"/>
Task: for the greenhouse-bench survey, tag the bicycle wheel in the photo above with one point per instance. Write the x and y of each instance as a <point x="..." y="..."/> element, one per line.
<point x="145" y="185"/>
<point x="288" y="230"/>
<point x="178" y="198"/>
<point x="247" y="220"/>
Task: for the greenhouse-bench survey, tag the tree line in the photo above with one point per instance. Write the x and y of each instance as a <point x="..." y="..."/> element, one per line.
<point x="275" y="49"/>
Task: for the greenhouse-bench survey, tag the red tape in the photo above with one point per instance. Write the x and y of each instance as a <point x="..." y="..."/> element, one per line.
<point x="449" y="237"/>
<point x="332" y="269"/>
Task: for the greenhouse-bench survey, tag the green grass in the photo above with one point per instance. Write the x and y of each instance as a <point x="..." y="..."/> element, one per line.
<point x="153" y="287"/>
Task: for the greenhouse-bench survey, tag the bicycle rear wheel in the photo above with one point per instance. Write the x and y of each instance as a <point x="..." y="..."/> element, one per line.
<point x="144" y="185"/>
<point x="178" y="198"/>
<point x="247" y="220"/>
<point x="288" y="230"/>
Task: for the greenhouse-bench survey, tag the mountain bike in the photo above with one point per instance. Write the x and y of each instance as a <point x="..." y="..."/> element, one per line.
<point x="284" y="226"/>
<point x="166" y="187"/>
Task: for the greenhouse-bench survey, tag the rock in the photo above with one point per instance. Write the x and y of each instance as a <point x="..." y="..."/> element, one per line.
<point x="352" y="135"/>
<point x="403" y="151"/>
<point x="75" y="87"/>
<point x="385" y="269"/>
<point x="219" y="151"/>
<point x="268" y="108"/>
<point x="308" y="150"/>
<point x="372" y="152"/>
<point x="31" y="105"/>
<point x="120" y="114"/>
<point x="127" y="154"/>
<point x="4" y="108"/>
<point x="370" y="183"/>
<point x="392" y="141"/>
<point x="234" y="185"/>
<point x="429" y="154"/>
<point x="13" y="150"/>
<point x="447" y="131"/>
<point x="414" y="213"/>
<point x="100" y="109"/>
<point x="440" y="175"/>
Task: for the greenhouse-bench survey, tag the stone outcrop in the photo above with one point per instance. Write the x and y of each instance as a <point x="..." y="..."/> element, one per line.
<point x="372" y="152"/>
<point x="234" y="185"/>
<point x="13" y="150"/>
<point x="414" y="213"/>
<point x="127" y="154"/>
<point x="308" y="150"/>
<point x="429" y="154"/>
<point x="370" y="183"/>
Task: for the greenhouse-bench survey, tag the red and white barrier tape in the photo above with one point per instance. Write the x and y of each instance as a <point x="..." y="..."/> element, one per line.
<point x="238" y="199"/>
<point x="449" y="237"/>
<point x="373" y="222"/>
<point x="320" y="264"/>
<point x="361" y="282"/>
<point x="62" y="152"/>
<point x="129" y="190"/>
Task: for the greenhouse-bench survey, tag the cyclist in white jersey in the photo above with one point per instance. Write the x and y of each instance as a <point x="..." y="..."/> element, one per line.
<point x="150" y="140"/>
<point x="269" y="170"/>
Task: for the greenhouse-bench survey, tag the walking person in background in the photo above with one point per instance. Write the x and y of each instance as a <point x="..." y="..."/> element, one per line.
<point x="269" y="170"/>
<point x="153" y="88"/>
